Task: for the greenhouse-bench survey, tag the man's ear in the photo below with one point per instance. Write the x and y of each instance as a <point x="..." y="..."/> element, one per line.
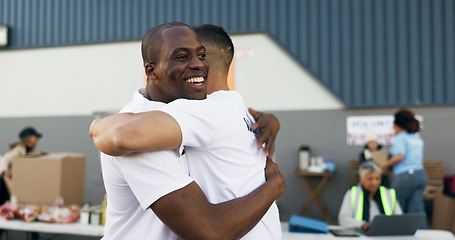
<point x="150" y="71"/>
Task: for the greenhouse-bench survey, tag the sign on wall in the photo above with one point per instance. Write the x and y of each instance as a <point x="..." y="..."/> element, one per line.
<point x="358" y="126"/>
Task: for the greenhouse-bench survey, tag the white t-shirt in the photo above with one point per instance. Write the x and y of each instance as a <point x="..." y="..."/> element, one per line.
<point x="136" y="181"/>
<point x="222" y="153"/>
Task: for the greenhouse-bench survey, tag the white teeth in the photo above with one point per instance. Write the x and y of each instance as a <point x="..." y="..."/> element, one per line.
<point x="195" y="80"/>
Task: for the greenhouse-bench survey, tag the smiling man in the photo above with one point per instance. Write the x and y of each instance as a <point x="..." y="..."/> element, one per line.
<point x="175" y="65"/>
<point x="171" y="70"/>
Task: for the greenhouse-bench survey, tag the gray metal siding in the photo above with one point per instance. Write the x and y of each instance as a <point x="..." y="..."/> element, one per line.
<point x="368" y="53"/>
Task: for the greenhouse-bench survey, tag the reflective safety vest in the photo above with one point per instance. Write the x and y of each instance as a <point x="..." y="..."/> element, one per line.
<point x="388" y="199"/>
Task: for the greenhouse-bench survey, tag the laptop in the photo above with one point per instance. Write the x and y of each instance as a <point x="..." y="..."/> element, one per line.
<point x="395" y="225"/>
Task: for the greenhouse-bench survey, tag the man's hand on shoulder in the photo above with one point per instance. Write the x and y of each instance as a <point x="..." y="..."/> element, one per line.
<point x="268" y="126"/>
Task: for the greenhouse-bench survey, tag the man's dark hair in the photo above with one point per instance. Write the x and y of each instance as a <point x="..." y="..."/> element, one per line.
<point x="152" y="41"/>
<point x="215" y="36"/>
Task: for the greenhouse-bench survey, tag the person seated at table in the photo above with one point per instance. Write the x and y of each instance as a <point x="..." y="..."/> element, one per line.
<point x="372" y="147"/>
<point x="367" y="199"/>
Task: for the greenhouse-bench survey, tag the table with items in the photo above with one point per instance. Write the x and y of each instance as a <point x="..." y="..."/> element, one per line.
<point x="75" y="228"/>
<point x="314" y="191"/>
<point x="419" y="235"/>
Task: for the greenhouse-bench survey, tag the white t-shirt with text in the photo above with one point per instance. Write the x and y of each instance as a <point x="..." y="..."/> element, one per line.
<point x="222" y="153"/>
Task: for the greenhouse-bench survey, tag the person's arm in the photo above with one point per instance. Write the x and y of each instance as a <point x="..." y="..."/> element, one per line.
<point x="392" y="162"/>
<point x="268" y="126"/>
<point x="7" y="159"/>
<point x="345" y="217"/>
<point x="398" y="210"/>
<point x="188" y="213"/>
<point x="124" y="133"/>
<point x="362" y="158"/>
<point x="396" y="151"/>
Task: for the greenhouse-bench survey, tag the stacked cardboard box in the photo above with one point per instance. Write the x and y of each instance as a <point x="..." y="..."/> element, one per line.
<point x="444" y="213"/>
<point x="43" y="179"/>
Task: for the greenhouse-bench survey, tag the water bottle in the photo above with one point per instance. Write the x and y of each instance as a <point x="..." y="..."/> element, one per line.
<point x="304" y="157"/>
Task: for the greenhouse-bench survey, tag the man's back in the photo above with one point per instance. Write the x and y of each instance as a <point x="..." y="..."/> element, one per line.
<point x="222" y="153"/>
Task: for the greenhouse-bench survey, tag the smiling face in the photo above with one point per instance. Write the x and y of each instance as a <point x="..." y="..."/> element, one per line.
<point x="371" y="181"/>
<point x="181" y="69"/>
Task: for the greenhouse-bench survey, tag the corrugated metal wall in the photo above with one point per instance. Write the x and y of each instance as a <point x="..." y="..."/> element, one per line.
<point x="369" y="53"/>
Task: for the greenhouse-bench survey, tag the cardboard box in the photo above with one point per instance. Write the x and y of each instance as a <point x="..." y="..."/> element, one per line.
<point x="42" y="179"/>
<point x="381" y="156"/>
<point x="444" y="213"/>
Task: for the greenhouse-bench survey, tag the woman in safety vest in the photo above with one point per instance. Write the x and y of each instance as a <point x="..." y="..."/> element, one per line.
<point x="364" y="201"/>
